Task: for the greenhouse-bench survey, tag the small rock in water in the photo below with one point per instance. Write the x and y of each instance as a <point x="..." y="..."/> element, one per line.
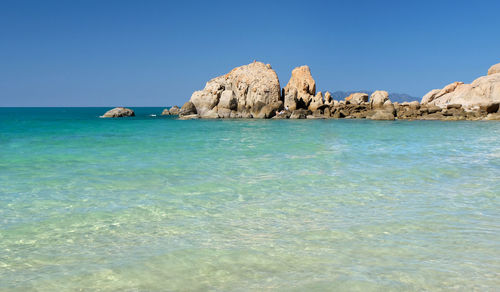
<point x="119" y="112"/>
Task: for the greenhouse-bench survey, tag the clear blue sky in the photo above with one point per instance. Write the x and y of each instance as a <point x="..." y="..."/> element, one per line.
<point x="156" y="53"/>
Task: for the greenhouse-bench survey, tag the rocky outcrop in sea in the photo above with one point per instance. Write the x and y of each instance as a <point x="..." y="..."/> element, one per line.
<point x="253" y="91"/>
<point x="173" y="111"/>
<point x="118" y="112"/>
<point x="250" y="91"/>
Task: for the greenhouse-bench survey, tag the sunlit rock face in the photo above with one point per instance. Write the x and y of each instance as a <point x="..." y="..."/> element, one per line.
<point x="250" y="91"/>
<point x="482" y="91"/>
<point x="300" y="90"/>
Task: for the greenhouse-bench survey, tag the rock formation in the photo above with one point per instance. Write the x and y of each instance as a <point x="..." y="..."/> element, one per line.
<point x="316" y="102"/>
<point x="300" y="114"/>
<point x="328" y="98"/>
<point x="187" y="109"/>
<point x="357" y="98"/>
<point x="174" y="110"/>
<point x="494" y="69"/>
<point x="378" y="98"/>
<point x="381" y="115"/>
<point x="253" y="91"/>
<point x="119" y="112"/>
<point x="482" y="91"/>
<point x="300" y="90"/>
<point x="248" y="91"/>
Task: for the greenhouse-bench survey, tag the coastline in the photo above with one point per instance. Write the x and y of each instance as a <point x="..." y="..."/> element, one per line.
<point x="254" y="91"/>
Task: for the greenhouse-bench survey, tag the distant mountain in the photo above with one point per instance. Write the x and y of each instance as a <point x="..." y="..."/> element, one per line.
<point x="393" y="96"/>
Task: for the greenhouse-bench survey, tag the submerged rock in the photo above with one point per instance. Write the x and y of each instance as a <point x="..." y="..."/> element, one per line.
<point x="119" y="112"/>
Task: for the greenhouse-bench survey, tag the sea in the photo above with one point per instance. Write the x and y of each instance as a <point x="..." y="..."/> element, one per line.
<point x="152" y="203"/>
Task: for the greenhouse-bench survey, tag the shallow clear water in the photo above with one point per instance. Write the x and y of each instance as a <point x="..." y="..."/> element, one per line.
<point x="153" y="203"/>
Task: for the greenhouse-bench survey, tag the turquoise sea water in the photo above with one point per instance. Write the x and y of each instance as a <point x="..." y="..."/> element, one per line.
<point x="154" y="204"/>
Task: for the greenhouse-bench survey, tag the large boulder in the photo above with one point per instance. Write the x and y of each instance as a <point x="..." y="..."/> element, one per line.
<point x="328" y="98"/>
<point x="187" y="109"/>
<point x="357" y="98"/>
<point x="246" y="89"/>
<point x="436" y="93"/>
<point x="300" y="114"/>
<point x="300" y="90"/>
<point x="174" y="110"/>
<point x="165" y="112"/>
<point x="482" y="91"/>
<point x="378" y="98"/>
<point x="495" y="69"/>
<point x="414" y="105"/>
<point x="267" y="111"/>
<point x="316" y="102"/>
<point x="119" y="112"/>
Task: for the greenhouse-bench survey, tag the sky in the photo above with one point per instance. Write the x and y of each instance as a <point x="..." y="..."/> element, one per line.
<point x="156" y="53"/>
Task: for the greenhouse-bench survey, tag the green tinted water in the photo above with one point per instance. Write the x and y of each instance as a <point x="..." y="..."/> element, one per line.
<point x="153" y="203"/>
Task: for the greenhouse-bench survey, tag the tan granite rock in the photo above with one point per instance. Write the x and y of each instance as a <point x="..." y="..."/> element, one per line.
<point x="381" y="115"/>
<point x="378" y="98"/>
<point x="187" y="109"/>
<point x="301" y="88"/>
<point x="174" y="110"/>
<point x="495" y="69"/>
<point x="328" y="98"/>
<point x="118" y="112"/>
<point x="316" y="102"/>
<point x="357" y="98"/>
<point x="482" y="91"/>
<point x="244" y="89"/>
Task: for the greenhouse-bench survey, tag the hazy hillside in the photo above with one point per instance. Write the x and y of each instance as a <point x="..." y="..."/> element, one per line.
<point x="393" y="96"/>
